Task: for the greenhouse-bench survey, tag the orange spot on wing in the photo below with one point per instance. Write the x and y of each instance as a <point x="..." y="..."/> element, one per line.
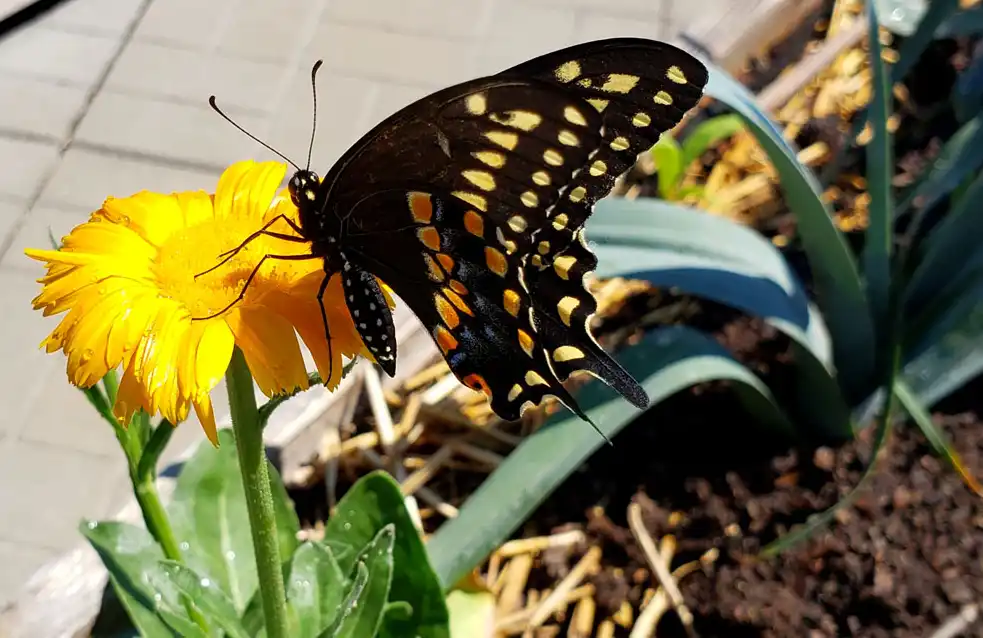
<point x="496" y="261"/>
<point x="474" y="223"/>
<point x="477" y="382"/>
<point x="429" y="237"/>
<point x="420" y="207"/>
<point x="525" y="340"/>
<point x="457" y="301"/>
<point x="446" y="261"/>
<point x="458" y="287"/>
<point x="445" y="340"/>
<point x="512" y="302"/>
<point x="436" y="274"/>
<point x="446" y="311"/>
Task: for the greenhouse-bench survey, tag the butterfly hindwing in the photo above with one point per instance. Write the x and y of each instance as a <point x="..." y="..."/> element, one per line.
<point x="370" y="314"/>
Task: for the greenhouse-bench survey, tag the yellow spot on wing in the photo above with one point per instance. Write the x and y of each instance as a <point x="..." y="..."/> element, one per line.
<point x="474" y="199"/>
<point x="511" y="301"/>
<point x="560" y="221"/>
<point x="567" y="138"/>
<point x="641" y="119"/>
<point x="420" y="207"/>
<point x="496" y="261"/>
<point x="567" y="353"/>
<point x="598" y="168"/>
<point x="534" y="378"/>
<point x="566" y="307"/>
<point x="525" y="340"/>
<point x="529" y="198"/>
<point x="445" y="340"/>
<point x="518" y="223"/>
<point x="563" y="264"/>
<point x="490" y="158"/>
<point x="476" y="104"/>
<point x="574" y="116"/>
<point x="506" y="243"/>
<point x="619" y="144"/>
<point x="474" y="223"/>
<point x="663" y="98"/>
<point x="598" y="103"/>
<point x="482" y="179"/>
<point x="552" y="157"/>
<point x="505" y="139"/>
<point x="522" y="120"/>
<point x="676" y="74"/>
<point x="544" y="247"/>
<point x="619" y="83"/>
<point x="541" y="178"/>
<point x="446" y="311"/>
<point x="568" y="71"/>
<point x="429" y="237"/>
<point x="435" y="273"/>
<point x="515" y="392"/>
<point x="577" y="194"/>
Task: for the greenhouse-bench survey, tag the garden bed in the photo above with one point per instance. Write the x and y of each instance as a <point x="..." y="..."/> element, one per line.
<point x="709" y="486"/>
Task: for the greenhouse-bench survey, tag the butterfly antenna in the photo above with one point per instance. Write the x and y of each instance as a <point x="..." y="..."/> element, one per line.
<point x="310" y="148"/>
<point x="211" y="102"/>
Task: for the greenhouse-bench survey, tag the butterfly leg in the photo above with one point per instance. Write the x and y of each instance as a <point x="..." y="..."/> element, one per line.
<point x="229" y="254"/>
<point x="249" y="280"/>
<point x="324" y="320"/>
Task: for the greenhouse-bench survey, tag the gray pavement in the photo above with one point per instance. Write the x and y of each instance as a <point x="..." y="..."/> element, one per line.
<point x="108" y="97"/>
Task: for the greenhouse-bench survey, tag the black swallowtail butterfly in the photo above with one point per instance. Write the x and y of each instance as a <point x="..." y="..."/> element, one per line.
<point x="470" y="204"/>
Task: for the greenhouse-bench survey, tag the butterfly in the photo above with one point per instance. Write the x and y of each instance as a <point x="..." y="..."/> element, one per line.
<point x="470" y="205"/>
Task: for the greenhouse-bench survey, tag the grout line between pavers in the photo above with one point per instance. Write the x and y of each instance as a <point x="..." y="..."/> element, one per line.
<point x="90" y="97"/>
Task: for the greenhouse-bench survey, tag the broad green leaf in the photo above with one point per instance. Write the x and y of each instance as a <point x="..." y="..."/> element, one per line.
<point x="834" y="269"/>
<point x="179" y="623"/>
<point x="315" y="590"/>
<point x="712" y="257"/>
<point x="353" y="598"/>
<point x="879" y="236"/>
<point x="208" y="512"/>
<point x="949" y="248"/>
<point x="934" y="434"/>
<point x="205" y="595"/>
<point x="664" y="362"/>
<point x="707" y="134"/>
<point x="960" y="157"/>
<point x="366" y="617"/>
<point x="373" y="502"/>
<point x="667" y="155"/>
<point x="130" y="554"/>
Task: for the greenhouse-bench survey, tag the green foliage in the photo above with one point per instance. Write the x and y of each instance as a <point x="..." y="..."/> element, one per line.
<point x="672" y="159"/>
<point x="370" y="575"/>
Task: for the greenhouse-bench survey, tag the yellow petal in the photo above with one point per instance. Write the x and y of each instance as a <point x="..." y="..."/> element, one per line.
<point x="130" y="397"/>
<point x="271" y="350"/>
<point x="197" y="207"/>
<point x="206" y="416"/>
<point x="214" y="351"/>
<point x="152" y="216"/>
<point x="247" y="188"/>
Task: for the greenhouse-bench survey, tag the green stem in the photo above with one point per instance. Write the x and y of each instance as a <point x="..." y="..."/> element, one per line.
<point x="259" y="497"/>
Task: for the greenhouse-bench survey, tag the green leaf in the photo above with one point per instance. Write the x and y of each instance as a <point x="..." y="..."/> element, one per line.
<point x="252" y="619"/>
<point x="666" y="154"/>
<point x="664" y="362"/>
<point x="208" y="512"/>
<point x="205" y="595"/>
<point x="353" y="598"/>
<point x="130" y="554"/>
<point x="837" y="278"/>
<point x="179" y="623"/>
<point x="371" y="504"/>
<point x="315" y="590"/>
<point x="934" y="434"/>
<point x="366" y="618"/>
<point x="712" y="257"/>
<point x="949" y="248"/>
<point x="880" y="169"/>
<point x="708" y="134"/>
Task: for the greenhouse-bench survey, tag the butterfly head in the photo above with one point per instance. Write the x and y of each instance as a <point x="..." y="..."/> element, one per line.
<point x="303" y="188"/>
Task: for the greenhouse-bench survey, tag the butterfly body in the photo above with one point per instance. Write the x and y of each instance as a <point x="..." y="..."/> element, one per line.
<point x="470" y="205"/>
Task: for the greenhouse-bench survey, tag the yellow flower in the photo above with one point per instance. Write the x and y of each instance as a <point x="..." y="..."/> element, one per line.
<point x="127" y="279"/>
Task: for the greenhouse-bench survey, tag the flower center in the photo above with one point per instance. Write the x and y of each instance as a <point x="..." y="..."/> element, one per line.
<point x="194" y="250"/>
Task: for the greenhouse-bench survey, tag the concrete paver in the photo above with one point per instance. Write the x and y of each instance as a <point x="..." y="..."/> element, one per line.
<point x="108" y="97"/>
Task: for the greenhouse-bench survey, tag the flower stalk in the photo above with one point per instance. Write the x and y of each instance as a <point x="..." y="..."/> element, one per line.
<point x="248" y="431"/>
